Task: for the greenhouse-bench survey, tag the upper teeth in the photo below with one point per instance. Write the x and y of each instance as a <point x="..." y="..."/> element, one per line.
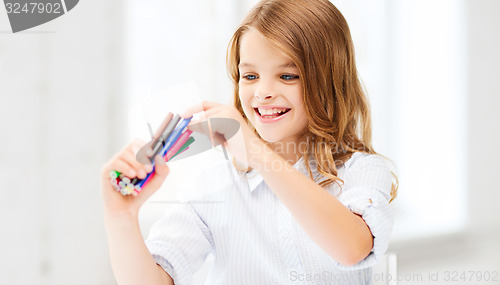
<point x="271" y="111"/>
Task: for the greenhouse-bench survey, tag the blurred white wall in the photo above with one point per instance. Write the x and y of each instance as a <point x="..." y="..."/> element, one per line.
<point x="476" y="248"/>
<point x="484" y="115"/>
<point x="61" y="88"/>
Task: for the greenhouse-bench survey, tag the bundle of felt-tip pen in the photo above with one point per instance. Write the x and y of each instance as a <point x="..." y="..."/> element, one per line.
<point x="171" y="139"/>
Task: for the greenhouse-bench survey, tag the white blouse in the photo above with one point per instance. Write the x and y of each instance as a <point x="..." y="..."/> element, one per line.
<point x="254" y="237"/>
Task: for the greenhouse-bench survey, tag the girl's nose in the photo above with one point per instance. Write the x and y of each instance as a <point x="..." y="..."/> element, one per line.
<point x="264" y="91"/>
<point x="263" y="97"/>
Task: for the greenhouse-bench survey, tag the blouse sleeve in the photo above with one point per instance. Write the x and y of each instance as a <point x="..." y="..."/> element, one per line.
<point x="368" y="183"/>
<point x="180" y="242"/>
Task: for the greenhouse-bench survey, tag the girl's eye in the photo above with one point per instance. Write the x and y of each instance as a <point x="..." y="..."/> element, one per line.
<point x="250" y="77"/>
<point x="289" y="76"/>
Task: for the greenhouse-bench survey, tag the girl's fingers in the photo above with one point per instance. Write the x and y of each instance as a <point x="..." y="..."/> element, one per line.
<point x="199" y="107"/>
<point x="209" y="105"/>
<point x="216" y="112"/>
<point x="161" y="167"/>
<point x="125" y="162"/>
<point x="199" y="125"/>
<point x="193" y="109"/>
<point x="124" y="167"/>
<point x="135" y="145"/>
<point x="140" y="168"/>
<point x="161" y="171"/>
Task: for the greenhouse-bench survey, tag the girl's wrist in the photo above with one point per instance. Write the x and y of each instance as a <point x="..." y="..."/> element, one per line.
<point x="120" y="218"/>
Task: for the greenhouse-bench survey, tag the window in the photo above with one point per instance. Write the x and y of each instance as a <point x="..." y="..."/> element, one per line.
<point x="410" y="56"/>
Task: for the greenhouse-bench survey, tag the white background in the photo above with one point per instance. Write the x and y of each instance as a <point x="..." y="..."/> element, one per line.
<point x="430" y="67"/>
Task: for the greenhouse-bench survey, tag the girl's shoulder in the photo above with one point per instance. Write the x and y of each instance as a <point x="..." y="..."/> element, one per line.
<point x="365" y="171"/>
<point x="361" y="160"/>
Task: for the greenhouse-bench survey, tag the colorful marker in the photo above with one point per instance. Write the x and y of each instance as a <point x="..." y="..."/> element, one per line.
<point x="184" y="147"/>
<point x="172" y="141"/>
<point x="174" y="136"/>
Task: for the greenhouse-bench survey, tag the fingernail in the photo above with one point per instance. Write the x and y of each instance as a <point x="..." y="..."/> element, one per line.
<point x="142" y="173"/>
<point x="160" y="160"/>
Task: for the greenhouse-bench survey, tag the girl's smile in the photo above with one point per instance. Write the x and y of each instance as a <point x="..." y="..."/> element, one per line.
<point x="270" y="90"/>
<point x="271" y="114"/>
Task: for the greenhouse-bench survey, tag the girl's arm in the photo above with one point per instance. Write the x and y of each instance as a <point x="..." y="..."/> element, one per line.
<point x="332" y="226"/>
<point x="131" y="261"/>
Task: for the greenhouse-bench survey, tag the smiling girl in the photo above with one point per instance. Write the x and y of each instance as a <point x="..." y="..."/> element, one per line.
<point x="311" y="203"/>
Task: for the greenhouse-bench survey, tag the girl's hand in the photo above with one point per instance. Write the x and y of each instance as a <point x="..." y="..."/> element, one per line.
<point x="126" y="163"/>
<point x="243" y="145"/>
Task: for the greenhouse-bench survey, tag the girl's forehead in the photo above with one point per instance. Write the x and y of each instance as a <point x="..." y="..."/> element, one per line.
<point x="255" y="47"/>
<point x="252" y="38"/>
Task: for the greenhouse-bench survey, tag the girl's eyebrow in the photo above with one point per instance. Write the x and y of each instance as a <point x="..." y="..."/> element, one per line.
<point x="288" y="64"/>
<point x="244" y="64"/>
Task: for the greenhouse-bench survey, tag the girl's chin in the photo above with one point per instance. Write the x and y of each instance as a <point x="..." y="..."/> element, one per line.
<point x="270" y="138"/>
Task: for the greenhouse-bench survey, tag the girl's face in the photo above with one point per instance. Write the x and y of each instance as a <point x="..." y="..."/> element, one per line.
<point x="270" y="90"/>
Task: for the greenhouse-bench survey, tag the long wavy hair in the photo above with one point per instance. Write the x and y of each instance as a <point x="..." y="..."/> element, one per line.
<point x="316" y="37"/>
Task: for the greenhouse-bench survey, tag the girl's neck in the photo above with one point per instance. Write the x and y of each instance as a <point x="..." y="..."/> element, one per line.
<point x="291" y="151"/>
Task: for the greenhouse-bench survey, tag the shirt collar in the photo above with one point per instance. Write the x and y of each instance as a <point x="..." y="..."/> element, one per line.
<point x="255" y="179"/>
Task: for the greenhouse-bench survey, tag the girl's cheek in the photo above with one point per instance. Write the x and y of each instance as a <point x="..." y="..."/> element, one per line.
<point x="245" y="96"/>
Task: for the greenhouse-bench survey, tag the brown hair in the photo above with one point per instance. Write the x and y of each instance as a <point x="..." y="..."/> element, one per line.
<point x="316" y="37"/>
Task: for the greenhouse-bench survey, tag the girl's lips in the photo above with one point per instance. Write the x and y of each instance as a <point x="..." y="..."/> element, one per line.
<point x="270" y="119"/>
